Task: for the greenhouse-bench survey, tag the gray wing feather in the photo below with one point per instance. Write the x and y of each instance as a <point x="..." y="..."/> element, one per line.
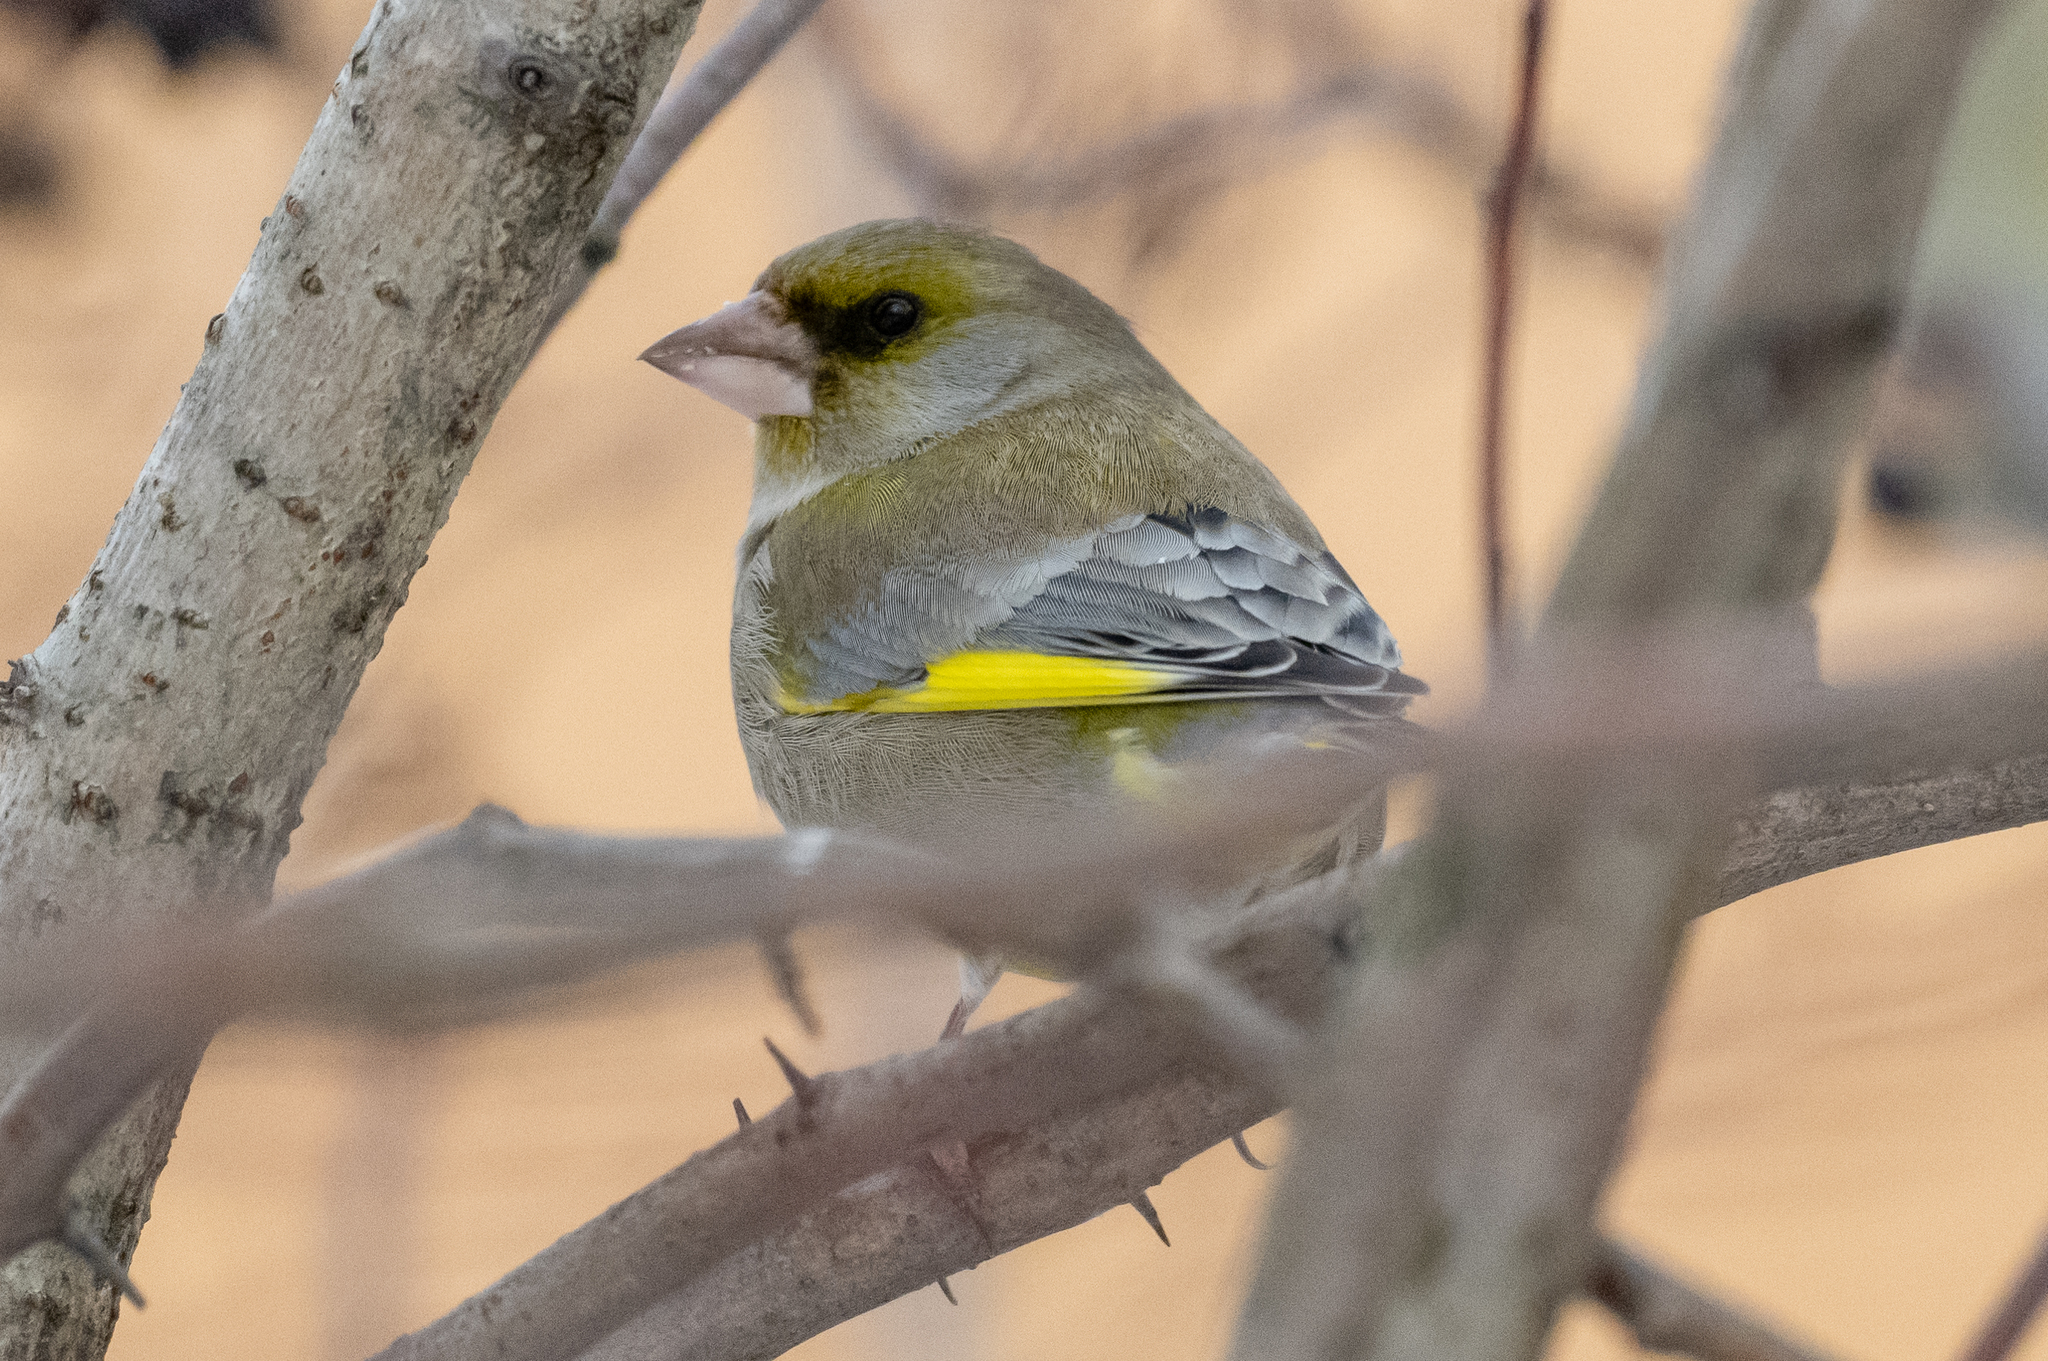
<point x="1230" y="607"/>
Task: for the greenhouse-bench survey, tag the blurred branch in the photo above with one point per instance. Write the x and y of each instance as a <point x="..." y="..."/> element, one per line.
<point x="2000" y="1336"/>
<point x="1473" y="1089"/>
<point x="1667" y="1315"/>
<point x="1502" y="202"/>
<point x="854" y="1250"/>
<point x="676" y="123"/>
<point x="1174" y="164"/>
<point x="467" y="920"/>
<point x="491" y="910"/>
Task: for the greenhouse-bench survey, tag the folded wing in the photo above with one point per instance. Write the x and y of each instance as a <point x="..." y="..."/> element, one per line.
<point x="1154" y="608"/>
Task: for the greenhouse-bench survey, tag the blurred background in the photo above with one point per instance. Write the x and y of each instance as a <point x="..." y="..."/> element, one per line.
<point x="1843" y="1129"/>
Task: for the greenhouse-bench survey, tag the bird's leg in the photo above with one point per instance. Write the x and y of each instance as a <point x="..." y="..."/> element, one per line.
<point x="978" y="975"/>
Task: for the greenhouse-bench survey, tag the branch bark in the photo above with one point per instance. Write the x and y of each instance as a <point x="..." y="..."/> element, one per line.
<point x="478" y="917"/>
<point x="883" y="1237"/>
<point x="155" y="749"/>
<point x="1476" y="1082"/>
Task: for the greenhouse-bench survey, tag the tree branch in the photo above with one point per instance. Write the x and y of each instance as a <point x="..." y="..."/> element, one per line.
<point x="676" y="123"/>
<point x="476" y="918"/>
<point x="855" y="1249"/>
<point x="1667" y="1315"/>
<point x="156" y="747"/>
<point x="1502" y="203"/>
<point x="1476" y="1083"/>
<point x="2000" y="1336"/>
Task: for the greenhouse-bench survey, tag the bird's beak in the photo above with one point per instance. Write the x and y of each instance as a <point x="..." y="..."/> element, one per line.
<point x="748" y="354"/>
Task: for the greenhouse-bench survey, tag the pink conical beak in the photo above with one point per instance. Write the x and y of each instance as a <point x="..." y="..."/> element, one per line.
<point x="748" y="354"/>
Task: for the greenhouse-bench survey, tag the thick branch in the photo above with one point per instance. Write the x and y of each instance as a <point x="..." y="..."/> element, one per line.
<point x="855" y="1249"/>
<point x="1441" y="1197"/>
<point x="155" y="749"/>
<point x="477" y="917"/>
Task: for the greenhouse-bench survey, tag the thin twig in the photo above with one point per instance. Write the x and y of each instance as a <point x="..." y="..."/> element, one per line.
<point x="2008" y="1323"/>
<point x="1667" y="1315"/>
<point x="1502" y="207"/>
<point x="677" y="121"/>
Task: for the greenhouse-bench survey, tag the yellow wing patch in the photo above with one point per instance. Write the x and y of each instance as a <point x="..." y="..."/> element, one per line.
<point x="1004" y="680"/>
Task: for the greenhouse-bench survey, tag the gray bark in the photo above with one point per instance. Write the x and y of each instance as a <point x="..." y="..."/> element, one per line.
<point x="155" y="749"/>
<point x="1473" y="1089"/>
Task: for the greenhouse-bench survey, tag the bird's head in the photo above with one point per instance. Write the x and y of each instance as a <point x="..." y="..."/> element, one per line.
<point x="856" y="348"/>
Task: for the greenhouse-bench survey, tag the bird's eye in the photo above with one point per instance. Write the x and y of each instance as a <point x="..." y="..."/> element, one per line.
<point x="893" y="314"/>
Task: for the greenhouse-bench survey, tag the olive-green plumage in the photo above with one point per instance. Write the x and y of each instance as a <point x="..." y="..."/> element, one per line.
<point x="999" y="563"/>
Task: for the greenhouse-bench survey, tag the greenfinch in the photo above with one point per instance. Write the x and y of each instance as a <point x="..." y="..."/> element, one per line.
<point x="999" y="565"/>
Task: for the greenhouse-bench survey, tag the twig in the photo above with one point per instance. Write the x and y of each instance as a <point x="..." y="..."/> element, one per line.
<point x="677" y="121"/>
<point x="2008" y="1322"/>
<point x="1502" y="203"/>
<point x="1667" y="1315"/>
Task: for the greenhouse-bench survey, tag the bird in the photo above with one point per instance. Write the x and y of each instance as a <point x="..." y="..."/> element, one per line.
<point x="999" y="566"/>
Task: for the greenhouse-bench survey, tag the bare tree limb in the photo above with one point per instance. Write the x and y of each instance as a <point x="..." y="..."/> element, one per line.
<point x="156" y="747"/>
<point x="493" y="909"/>
<point x="1052" y="1064"/>
<point x="1478" y="1078"/>
<point x="889" y="1236"/>
<point x="1667" y="1315"/>
<point x="2007" y="1324"/>
<point x="1815" y="828"/>
<point x="477" y="917"/>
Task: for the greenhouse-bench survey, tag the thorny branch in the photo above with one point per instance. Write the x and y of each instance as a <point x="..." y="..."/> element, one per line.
<point x="494" y="909"/>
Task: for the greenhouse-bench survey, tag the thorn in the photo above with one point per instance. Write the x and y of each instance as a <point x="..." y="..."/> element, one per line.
<point x="956" y="1182"/>
<point x="783" y="966"/>
<point x="956" y="1024"/>
<point x="946" y="1289"/>
<point x="98" y="1255"/>
<point x="739" y="1108"/>
<point x="805" y="1088"/>
<point x="1244" y="1150"/>
<point x="1142" y="1203"/>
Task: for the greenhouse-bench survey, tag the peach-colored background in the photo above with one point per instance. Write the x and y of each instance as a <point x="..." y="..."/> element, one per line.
<point x="1844" y="1127"/>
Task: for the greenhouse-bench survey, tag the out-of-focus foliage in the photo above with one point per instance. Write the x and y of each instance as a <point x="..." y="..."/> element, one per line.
<point x="36" y="36"/>
<point x="182" y="30"/>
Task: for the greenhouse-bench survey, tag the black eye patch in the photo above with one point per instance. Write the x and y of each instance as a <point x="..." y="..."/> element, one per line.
<point x="892" y="314"/>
